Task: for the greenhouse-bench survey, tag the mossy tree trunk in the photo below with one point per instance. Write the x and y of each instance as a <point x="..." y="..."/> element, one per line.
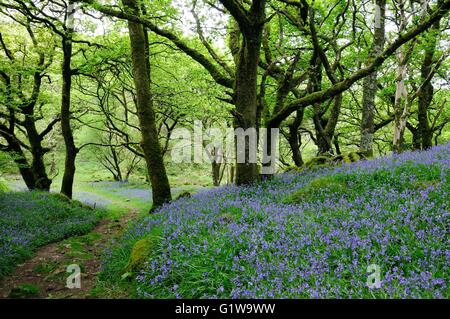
<point x="294" y="138"/>
<point x="146" y="115"/>
<point x="66" y="129"/>
<point x="42" y="182"/>
<point x="21" y="161"/>
<point x="370" y="81"/>
<point x="426" y="92"/>
<point x="251" y="25"/>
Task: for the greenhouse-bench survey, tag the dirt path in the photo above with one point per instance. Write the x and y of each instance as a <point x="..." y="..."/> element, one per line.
<point x="44" y="275"/>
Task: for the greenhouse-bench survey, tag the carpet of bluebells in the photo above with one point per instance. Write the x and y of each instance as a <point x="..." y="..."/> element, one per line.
<point x="284" y="238"/>
<point x="29" y="220"/>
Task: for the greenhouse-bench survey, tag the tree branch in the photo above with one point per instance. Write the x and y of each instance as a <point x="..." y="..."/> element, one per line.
<point x="343" y="85"/>
<point x="194" y="54"/>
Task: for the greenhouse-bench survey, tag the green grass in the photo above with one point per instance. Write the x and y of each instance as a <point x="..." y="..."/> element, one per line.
<point x="46" y="267"/>
<point x="24" y="291"/>
<point x="3" y="187"/>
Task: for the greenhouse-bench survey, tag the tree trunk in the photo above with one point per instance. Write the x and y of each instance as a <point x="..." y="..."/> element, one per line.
<point x="246" y="107"/>
<point x="215" y="173"/>
<point x="336" y="145"/>
<point x="116" y="161"/>
<point x="71" y="150"/>
<point x="294" y="138"/>
<point x="415" y="136"/>
<point x="231" y="178"/>
<point x="216" y="164"/>
<point x="401" y="102"/>
<point x="426" y="92"/>
<point x="370" y="82"/>
<point x="251" y="24"/>
<point x="24" y="167"/>
<point x="42" y="182"/>
<point x="335" y="111"/>
<point x="147" y="123"/>
<point x="325" y="127"/>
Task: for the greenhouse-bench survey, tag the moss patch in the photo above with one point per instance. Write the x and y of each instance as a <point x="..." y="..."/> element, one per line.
<point x="24" y="291"/>
<point x="324" y="160"/>
<point x="143" y="249"/>
<point x="318" y="188"/>
<point x="140" y="252"/>
<point x="349" y="158"/>
<point x="319" y="161"/>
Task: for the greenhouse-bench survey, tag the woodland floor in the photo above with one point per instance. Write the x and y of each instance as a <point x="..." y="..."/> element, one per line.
<point x="46" y="270"/>
<point x="45" y="273"/>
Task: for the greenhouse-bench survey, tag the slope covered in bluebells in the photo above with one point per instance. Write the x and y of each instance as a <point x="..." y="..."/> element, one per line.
<point x="29" y="220"/>
<point x="309" y="234"/>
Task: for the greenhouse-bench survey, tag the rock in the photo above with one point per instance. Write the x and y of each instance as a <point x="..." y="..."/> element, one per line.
<point x="139" y="254"/>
